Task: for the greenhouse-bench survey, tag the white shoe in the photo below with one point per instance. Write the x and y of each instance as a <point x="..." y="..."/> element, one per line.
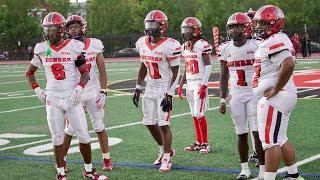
<point x="166" y="165"/>
<point x="158" y="161"/>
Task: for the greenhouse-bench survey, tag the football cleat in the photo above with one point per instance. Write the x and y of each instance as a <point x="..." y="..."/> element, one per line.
<point x="292" y="177"/>
<point x="205" y="149"/>
<point x="243" y="175"/>
<point x="61" y="177"/>
<point x="107" y="165"/>
<point x="253" y="158"/>
<point x="94" y="175"/>
<point x="193" y="147"/>
<point x="166" y="165"/>
<point x="64" y="164"/>
<point x="158" y="161"/>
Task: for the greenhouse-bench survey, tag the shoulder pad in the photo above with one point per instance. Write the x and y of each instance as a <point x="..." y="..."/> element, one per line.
<point x="278" y="42"/>
<point x="41" y="47"/>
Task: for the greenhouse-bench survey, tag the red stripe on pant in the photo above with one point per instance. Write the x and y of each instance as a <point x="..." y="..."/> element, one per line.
<point x="204" y="129"/>
<point x="201" y="104"/>
<point x="67" y="121"/>
<point x="168" y="116"/>
<point x="197" y="130"/>
<point x="268" y="125"/>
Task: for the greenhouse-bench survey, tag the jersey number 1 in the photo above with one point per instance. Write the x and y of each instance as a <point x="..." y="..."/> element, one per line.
<point x="241" y="78"/>
<point x="58" y="71"/>
<point x="192" y="66"/>
<point x="153" y="70"/>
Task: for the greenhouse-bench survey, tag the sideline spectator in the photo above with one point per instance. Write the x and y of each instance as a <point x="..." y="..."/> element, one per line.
<point x="30" y="51"/>
<point x="295" y="42"/>
<point x="303" y="41"/>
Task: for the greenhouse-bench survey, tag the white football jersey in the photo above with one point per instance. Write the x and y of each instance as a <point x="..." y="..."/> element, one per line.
<point x="194" y="60"/>
<point x="159" y="58"/>
<point x="267" y="65"/>
<point x="59" y="64"/>
<point x="92" y="47"/>
<point x="240" y="63"/>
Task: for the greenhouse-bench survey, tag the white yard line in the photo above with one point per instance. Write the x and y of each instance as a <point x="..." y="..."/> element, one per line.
<point x="306" y="90"/>
<point x="24" y="81"/>
<point x="311" y="96"/>
<point x="35" y="107"/>
<point x="109" y="128"/>
<point x="300" y="163"/>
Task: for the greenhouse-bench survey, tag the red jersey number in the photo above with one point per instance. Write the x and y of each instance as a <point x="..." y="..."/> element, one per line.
<point x="153" y="70"/>
<point x="192" y="66"/>
<point x="58" y="71"/>
<point x="241" y="78"/>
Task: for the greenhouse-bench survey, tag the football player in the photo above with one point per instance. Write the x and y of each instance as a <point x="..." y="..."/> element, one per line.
<point x="62" y="61"/>
<point x="160" y="61"/>
<point x="273" y="85"/>
<point x="196" y="52"/>
<point x="236" y="60"/>
<point x="94" y="94"/>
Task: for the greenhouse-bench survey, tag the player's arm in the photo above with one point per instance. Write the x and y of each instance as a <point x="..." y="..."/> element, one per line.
<point x="224" y="77"/>
<point x="33" y="82"/>
<point x="84" y="71"/>
<point x="182" y="81"/>
<point x="102" y="71"/>
<point x="286" y="70"/>
<point x="141" y="75"/>
<point x="207" y="71"/>
<point x="174" y="79"/>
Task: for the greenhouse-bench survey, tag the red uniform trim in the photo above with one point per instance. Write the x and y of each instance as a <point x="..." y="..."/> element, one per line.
<point x="152" y="47"/>
<point x="268" y="125"/>
<point x="275" y="46"/>
<point x="59" y="47"/>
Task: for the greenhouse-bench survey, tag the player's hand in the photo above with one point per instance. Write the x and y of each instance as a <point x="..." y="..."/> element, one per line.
<point x="180" y="92"/>
<point x="75" y="96"/>
<point x="40" y="94"/>
<point x="202" y="91"/>
<point x="136" y="97"/>
<point x="166" y="103"/>
<point x="101" y="100"/>
<point x="269" y="93"/>
<point x="223" y="108"/>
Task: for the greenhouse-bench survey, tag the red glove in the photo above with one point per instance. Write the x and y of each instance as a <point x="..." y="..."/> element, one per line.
<point x="180" y="92"/>
<point x="202" y="91"/>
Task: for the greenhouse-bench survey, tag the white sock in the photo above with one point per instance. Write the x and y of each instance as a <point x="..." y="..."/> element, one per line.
<point x="61" y="171"/>
<point x="293" y="169"/>
<point x="245" y="169"/>
<point x="270" y="175"/>
<point x="166" y="156"/>
<point x="262" y="171"/>
<point x="65" y="158"/>
<point x="106" y="155"/>
<point x="161" y="149"/>
<point x="88" y="167"/>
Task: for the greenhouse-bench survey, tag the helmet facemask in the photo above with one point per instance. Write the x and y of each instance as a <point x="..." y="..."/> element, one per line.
<point x="152" y="29"/>
<point x="52" y="33"/>
<point x="74" y="31"/>
<point x="236" y="32"/>
<point x="261" y="28"/>
<point x="187" y="33"/>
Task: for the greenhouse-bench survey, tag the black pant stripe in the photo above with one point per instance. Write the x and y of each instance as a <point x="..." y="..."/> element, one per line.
<point x="276" y="129"/>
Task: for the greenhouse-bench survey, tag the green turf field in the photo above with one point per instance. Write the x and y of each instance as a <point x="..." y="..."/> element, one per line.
<point x="22" y="113"/>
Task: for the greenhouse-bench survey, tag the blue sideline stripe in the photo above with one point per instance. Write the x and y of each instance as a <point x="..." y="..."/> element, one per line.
<point x="137" y="165"/>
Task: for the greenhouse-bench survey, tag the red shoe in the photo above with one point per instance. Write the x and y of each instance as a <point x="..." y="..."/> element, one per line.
<point x="61" y="177"/>
<point x="94" y="175"/>
<point x="158" y="161"/>
<point x="107" y="165"/>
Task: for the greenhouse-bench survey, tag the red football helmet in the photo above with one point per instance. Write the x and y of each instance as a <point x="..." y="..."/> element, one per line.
<point x="268" y="20"/>
<point x="240" y="18"/>
<point x="83" y="27"/>
<point x="53" y="27"/>
<point x="156" y="23"/>
<point x="191" y="28"/>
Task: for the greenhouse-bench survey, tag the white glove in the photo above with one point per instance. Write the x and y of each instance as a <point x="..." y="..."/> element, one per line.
<point x="101" y="100"/>
<point x="75" y="96"/>
<point x="40" y="94"/>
